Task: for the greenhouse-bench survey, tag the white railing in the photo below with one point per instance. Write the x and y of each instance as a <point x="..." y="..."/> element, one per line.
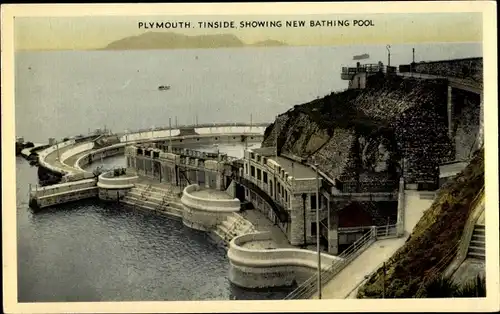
<point x="252" y="257"/>
<point x="309" y="287"/>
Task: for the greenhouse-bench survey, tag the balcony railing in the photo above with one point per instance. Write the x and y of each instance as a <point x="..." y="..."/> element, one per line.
<point x="278" y="210"/>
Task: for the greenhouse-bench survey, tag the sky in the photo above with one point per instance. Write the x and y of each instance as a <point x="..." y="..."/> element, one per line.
<point x="94" y="32"/>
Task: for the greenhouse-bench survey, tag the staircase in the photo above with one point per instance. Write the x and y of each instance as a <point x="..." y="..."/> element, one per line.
<point x="234" y="225"/>
<point x="477" y="243"/>
<point x="155" y="199"/>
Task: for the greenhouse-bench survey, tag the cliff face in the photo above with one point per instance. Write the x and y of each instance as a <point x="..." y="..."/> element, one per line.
<point x="361" y="135"/>
<point x="432" y="239"/>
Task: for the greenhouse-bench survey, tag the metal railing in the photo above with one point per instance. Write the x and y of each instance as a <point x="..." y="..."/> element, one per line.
<point x="280" y="212"/>
<point x="309" y="287"/>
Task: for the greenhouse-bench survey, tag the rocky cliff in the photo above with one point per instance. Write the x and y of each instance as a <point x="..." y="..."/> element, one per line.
<point x="369" y="136"/>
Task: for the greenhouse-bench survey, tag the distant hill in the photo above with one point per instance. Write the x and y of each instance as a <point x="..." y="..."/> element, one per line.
<point x="269" y="43"/>
<point x="163" y="40"/>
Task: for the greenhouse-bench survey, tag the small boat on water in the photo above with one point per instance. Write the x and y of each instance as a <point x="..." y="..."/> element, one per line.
<point x="164" y="87"/>
<point x="361" y="57"/>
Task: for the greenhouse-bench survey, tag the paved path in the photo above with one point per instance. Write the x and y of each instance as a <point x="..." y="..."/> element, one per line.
<point x="262" y="223"/>
<point x="71" y="161"/>
<point x="346" y="283"/>
<point x="53" y="159"/>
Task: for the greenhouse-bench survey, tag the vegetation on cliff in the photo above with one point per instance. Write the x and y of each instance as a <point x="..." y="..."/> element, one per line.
<point x="358" y="132"/>
<point x="412" y="269"/>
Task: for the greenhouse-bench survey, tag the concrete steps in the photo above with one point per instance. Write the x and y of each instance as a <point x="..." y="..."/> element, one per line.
<point x="154" y="199"/>
<point x="477" y="245"/>
<point x="234" y="225"/>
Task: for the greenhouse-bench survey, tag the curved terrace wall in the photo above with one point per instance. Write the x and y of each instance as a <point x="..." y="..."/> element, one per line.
<point x="108" y="181"/>
<point x="202" y="213"/>
<point x="113" y="188"/>
<point x="259" y="268"/>
<point x="44" y="153"/>
<point x="206" y="131"/>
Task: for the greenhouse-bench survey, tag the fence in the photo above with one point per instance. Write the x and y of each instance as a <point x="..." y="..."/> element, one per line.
<point x="309" y="287"/>
<point x="279" y="211"/>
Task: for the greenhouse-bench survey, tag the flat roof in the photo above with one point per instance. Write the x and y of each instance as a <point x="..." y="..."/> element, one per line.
<point x="264" y="151"/>
<point x="299" y="170"/>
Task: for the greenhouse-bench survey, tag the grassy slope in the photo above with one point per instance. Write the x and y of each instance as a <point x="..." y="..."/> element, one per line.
<point x="437" y="232"/>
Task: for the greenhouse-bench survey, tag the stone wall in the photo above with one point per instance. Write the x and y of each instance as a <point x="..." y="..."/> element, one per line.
<point x="470" y="68"/>
<point x="466" y="116"/>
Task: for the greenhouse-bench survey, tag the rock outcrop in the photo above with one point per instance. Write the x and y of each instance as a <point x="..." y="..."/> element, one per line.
<point x="370" y="136"/>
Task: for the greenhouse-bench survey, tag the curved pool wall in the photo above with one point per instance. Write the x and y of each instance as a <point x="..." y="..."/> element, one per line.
<point x="260" y="268"/>
<point x="203" y="213"/>
<point x="216" y="133"/>
<point x="114" y="188"/>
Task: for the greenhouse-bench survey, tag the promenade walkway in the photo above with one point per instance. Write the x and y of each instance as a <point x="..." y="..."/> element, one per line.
<point x="346" y="283"/>
<point x="53" y="159"/>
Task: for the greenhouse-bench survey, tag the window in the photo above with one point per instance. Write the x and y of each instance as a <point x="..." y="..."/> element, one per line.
<point x="259" y="174"/>
<point x="313" y="201"/>
<point x="265" y="176"/>
<point x="258" y="158"/>
<point x="271" y="184"/>
<point x="279" y="189"/>
<point x="246" y="169"/>
<point x="313" y="228"/>
<point x="264" y="160"/>
<point x="252" y="171"/>
<point x="252" y="155"/>
<point x="286" y="196"/>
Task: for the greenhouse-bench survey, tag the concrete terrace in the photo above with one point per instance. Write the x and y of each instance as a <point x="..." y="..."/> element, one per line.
<point x="346" y="283"/>
<point x="53" y="159"/>
<point x="262" y="223"/>
<point x="295" y="169"/>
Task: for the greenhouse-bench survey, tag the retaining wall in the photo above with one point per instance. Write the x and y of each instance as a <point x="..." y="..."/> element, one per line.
<point x="63" y="193"/>
<point x="259" y="268"/>
<point x="77" y="149"/>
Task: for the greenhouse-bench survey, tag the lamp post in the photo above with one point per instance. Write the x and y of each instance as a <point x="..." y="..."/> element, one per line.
<point x="57" y="148"/>
<point x="169" y="135"/>
<point x="317" y="230"/>
<point x="388" y="47"/>
<point x="217" y="147"/>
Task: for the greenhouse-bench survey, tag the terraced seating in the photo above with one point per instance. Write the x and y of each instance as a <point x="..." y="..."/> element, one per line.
<point x="154" y="199"/>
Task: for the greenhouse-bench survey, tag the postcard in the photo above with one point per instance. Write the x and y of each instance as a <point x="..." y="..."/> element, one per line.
<point x="250" y="157"/>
